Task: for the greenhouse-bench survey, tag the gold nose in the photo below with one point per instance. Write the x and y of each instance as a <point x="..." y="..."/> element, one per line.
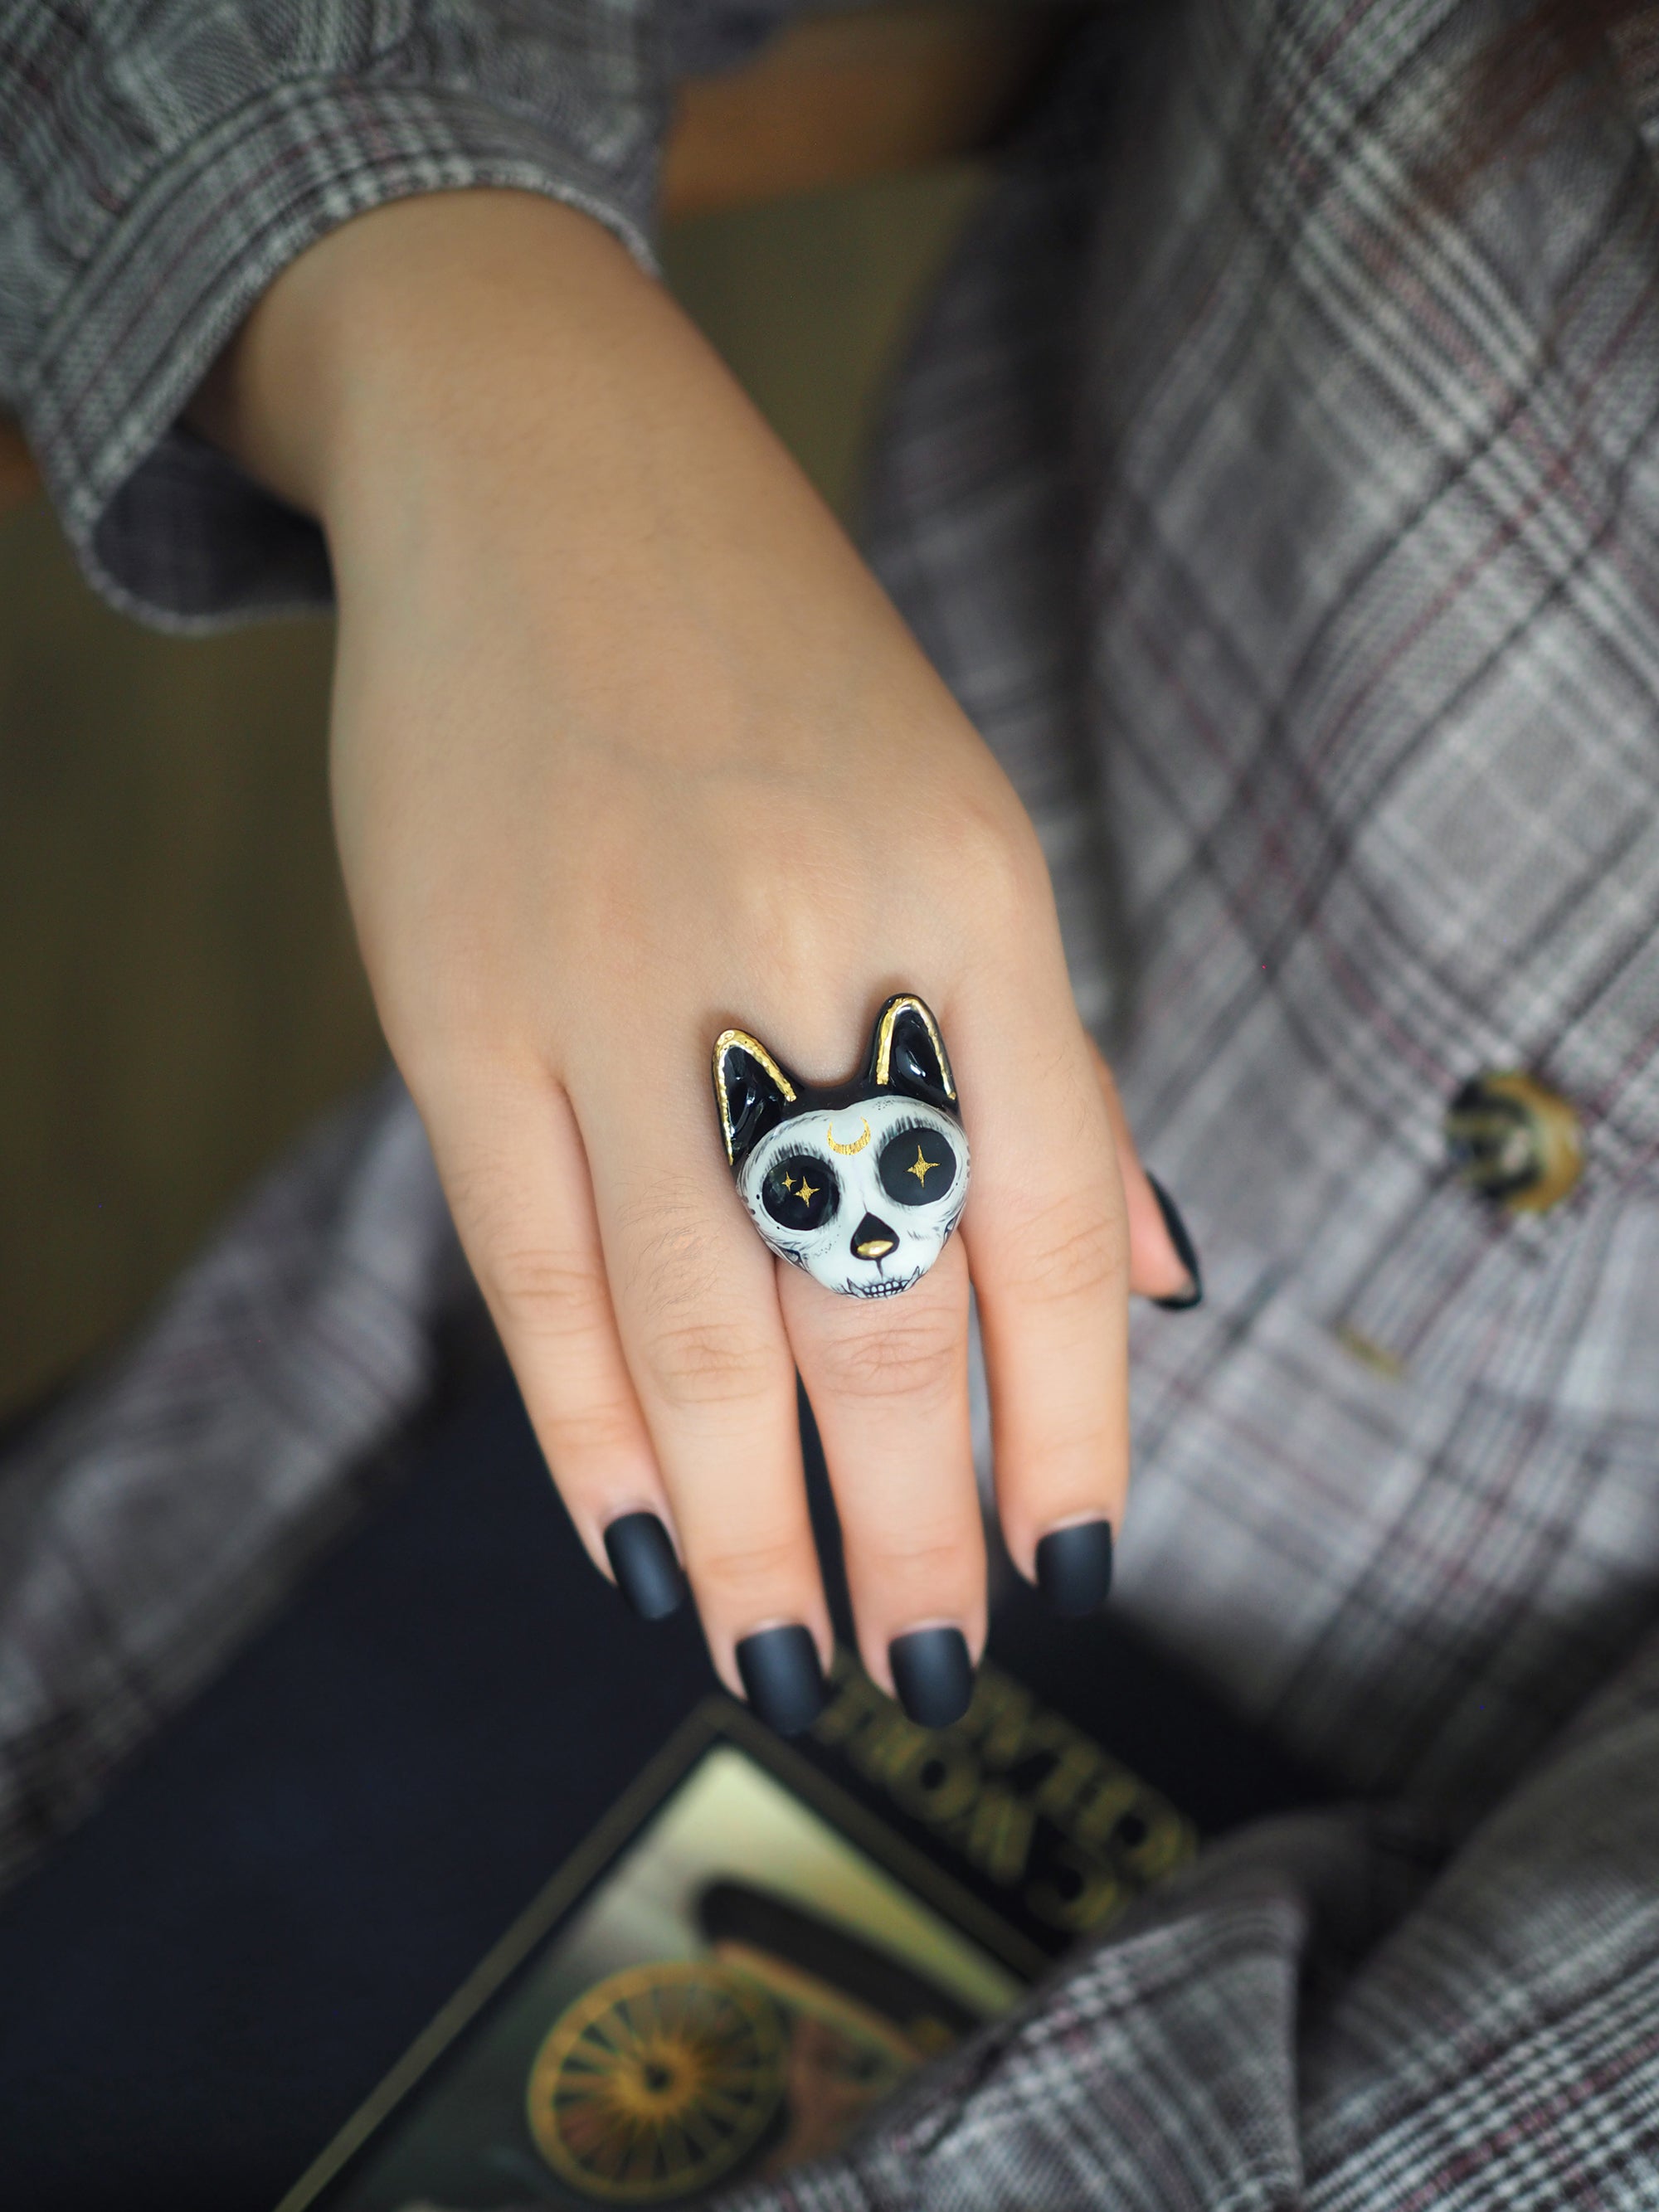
<point x="877" y="1249"/>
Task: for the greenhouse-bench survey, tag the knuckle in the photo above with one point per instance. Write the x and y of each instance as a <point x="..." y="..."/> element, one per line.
<point x="693" y="1364"/>
<point x="743" y="1578"/>
<point x="893" y="1354"/>
<point x="1000" y="855"/>
<point x="579" y="1437"/>
<point x="1058" y="1254"/>
<point x="783" y="913"/>
<point x="479" y="1190"/>
<point x="545" y="1295"/>
<point x="693" y="1353"/>
<point x="937" y="1561"/>
<point x="670" y="1261"/>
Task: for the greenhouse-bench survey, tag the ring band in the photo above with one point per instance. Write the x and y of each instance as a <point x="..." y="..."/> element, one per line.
<point x="858" y="1183"/>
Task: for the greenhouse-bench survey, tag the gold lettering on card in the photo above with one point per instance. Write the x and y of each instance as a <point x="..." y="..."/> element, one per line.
<point x="1089" y="1897"/>
<point x="1078" y="1765"/>
<point x="1102" y="1807"/>
<point x="1000" y="1720"/>
<point x="995" y="1834"/>
<point x="891" y="1748"/>
<point x="1020" y="1792"/>
<point x="935" y="1780"/>
<point x="1170" y="1840"/>
<point x="856" y="1703"/>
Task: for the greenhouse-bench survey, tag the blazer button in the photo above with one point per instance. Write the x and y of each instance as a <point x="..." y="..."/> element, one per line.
<point x="1515" y="1140"/>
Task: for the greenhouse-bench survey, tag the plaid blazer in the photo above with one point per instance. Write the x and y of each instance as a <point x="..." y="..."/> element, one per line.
<point x="1279" y="493"/>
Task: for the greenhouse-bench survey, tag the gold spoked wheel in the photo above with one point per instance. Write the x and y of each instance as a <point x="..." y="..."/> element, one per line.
<point x="657" y="2081"/>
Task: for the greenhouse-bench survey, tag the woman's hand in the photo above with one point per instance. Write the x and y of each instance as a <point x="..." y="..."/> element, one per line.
<point x="629" y="747"/>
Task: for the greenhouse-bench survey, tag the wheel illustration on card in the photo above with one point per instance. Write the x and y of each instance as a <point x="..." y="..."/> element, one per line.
<point x="658" y="2081"/>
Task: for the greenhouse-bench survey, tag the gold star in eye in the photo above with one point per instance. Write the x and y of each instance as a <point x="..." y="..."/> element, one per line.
<point x="921" y="1168"/>
<point x="789" y="1182"/>
<point x="807" y="1192"/>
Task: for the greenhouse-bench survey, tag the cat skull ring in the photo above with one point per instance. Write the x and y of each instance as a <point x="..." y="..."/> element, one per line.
<point x="860" y="1184"/>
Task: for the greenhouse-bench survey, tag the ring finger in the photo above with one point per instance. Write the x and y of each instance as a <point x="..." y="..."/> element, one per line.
<point x="888" y="1382"/>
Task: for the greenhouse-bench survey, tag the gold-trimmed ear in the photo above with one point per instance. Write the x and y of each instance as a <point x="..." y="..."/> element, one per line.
<point x="748" y="1087"/>
<point x="904" y="1017"/>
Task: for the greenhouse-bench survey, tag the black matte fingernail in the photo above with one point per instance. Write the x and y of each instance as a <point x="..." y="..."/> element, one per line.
<point x="642" y="1560"/>
<point x="1074" y="1567"/>
<point x="932" y="1675"/>
<point x="782" y="1679"/>
<point x="1183" y="1301"/>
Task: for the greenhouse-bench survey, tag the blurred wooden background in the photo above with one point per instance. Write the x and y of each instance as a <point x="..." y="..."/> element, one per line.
<point x="178" y="989"/>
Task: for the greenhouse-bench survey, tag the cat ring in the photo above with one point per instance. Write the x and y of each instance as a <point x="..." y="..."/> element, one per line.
<point x="859" y="1183"/>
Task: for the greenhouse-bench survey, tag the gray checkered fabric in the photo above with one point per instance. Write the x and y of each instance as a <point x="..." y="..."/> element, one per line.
<point x="1279" y="494"/>
<point x="1317" y="2022"/>
<point x="152" y="1522"/>
<point x="1319" y="546"/>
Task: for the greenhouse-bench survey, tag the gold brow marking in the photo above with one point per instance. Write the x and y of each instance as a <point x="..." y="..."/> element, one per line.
<point x="846" y="1151"/>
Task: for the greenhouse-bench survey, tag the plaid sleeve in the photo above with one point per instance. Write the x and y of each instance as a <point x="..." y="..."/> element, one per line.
<point x="161" y="160"/>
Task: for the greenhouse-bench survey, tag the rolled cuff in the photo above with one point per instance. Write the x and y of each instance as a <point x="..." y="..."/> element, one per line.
<point x="165" y="527"/>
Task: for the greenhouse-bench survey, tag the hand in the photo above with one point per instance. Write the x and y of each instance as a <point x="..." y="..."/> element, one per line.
<point x="628" y="747"/>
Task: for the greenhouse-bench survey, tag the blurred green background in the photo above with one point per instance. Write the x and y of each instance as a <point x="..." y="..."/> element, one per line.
<point x="178" y="989"/>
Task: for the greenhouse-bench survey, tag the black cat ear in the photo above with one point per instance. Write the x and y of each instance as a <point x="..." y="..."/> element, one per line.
<point x="906" y="1053"/>
<point x="750" y="1089"/>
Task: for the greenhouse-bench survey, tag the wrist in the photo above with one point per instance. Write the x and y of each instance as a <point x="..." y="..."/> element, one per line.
<point x="485" y="382"/>
<point x="417" y="348"/>
<point x="511" y="433"/>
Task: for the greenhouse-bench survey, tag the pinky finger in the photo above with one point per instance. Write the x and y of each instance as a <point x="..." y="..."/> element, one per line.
<point x="1162" y="1263"/>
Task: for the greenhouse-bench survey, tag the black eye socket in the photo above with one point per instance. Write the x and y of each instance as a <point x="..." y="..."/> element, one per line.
<point x="800" y="1192"/>
<point x="916" y="1165"/>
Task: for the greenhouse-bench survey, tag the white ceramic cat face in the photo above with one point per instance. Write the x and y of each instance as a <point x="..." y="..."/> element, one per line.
<point x="860" y="1184"/>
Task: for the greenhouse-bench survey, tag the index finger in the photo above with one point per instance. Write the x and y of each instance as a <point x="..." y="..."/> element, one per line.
<point x="695" y="1298"/>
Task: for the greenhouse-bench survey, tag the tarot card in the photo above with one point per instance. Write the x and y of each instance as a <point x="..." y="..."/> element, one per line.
<point x="739" y="1967"/>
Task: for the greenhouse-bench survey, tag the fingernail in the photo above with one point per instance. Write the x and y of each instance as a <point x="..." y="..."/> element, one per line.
<point x="932" y="1675"/>
<point x="1183" y="1301"/>
<point x="1074" y="1567"/>
<point x="781" y="1678"/>
<point x="642" y="1560"/>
